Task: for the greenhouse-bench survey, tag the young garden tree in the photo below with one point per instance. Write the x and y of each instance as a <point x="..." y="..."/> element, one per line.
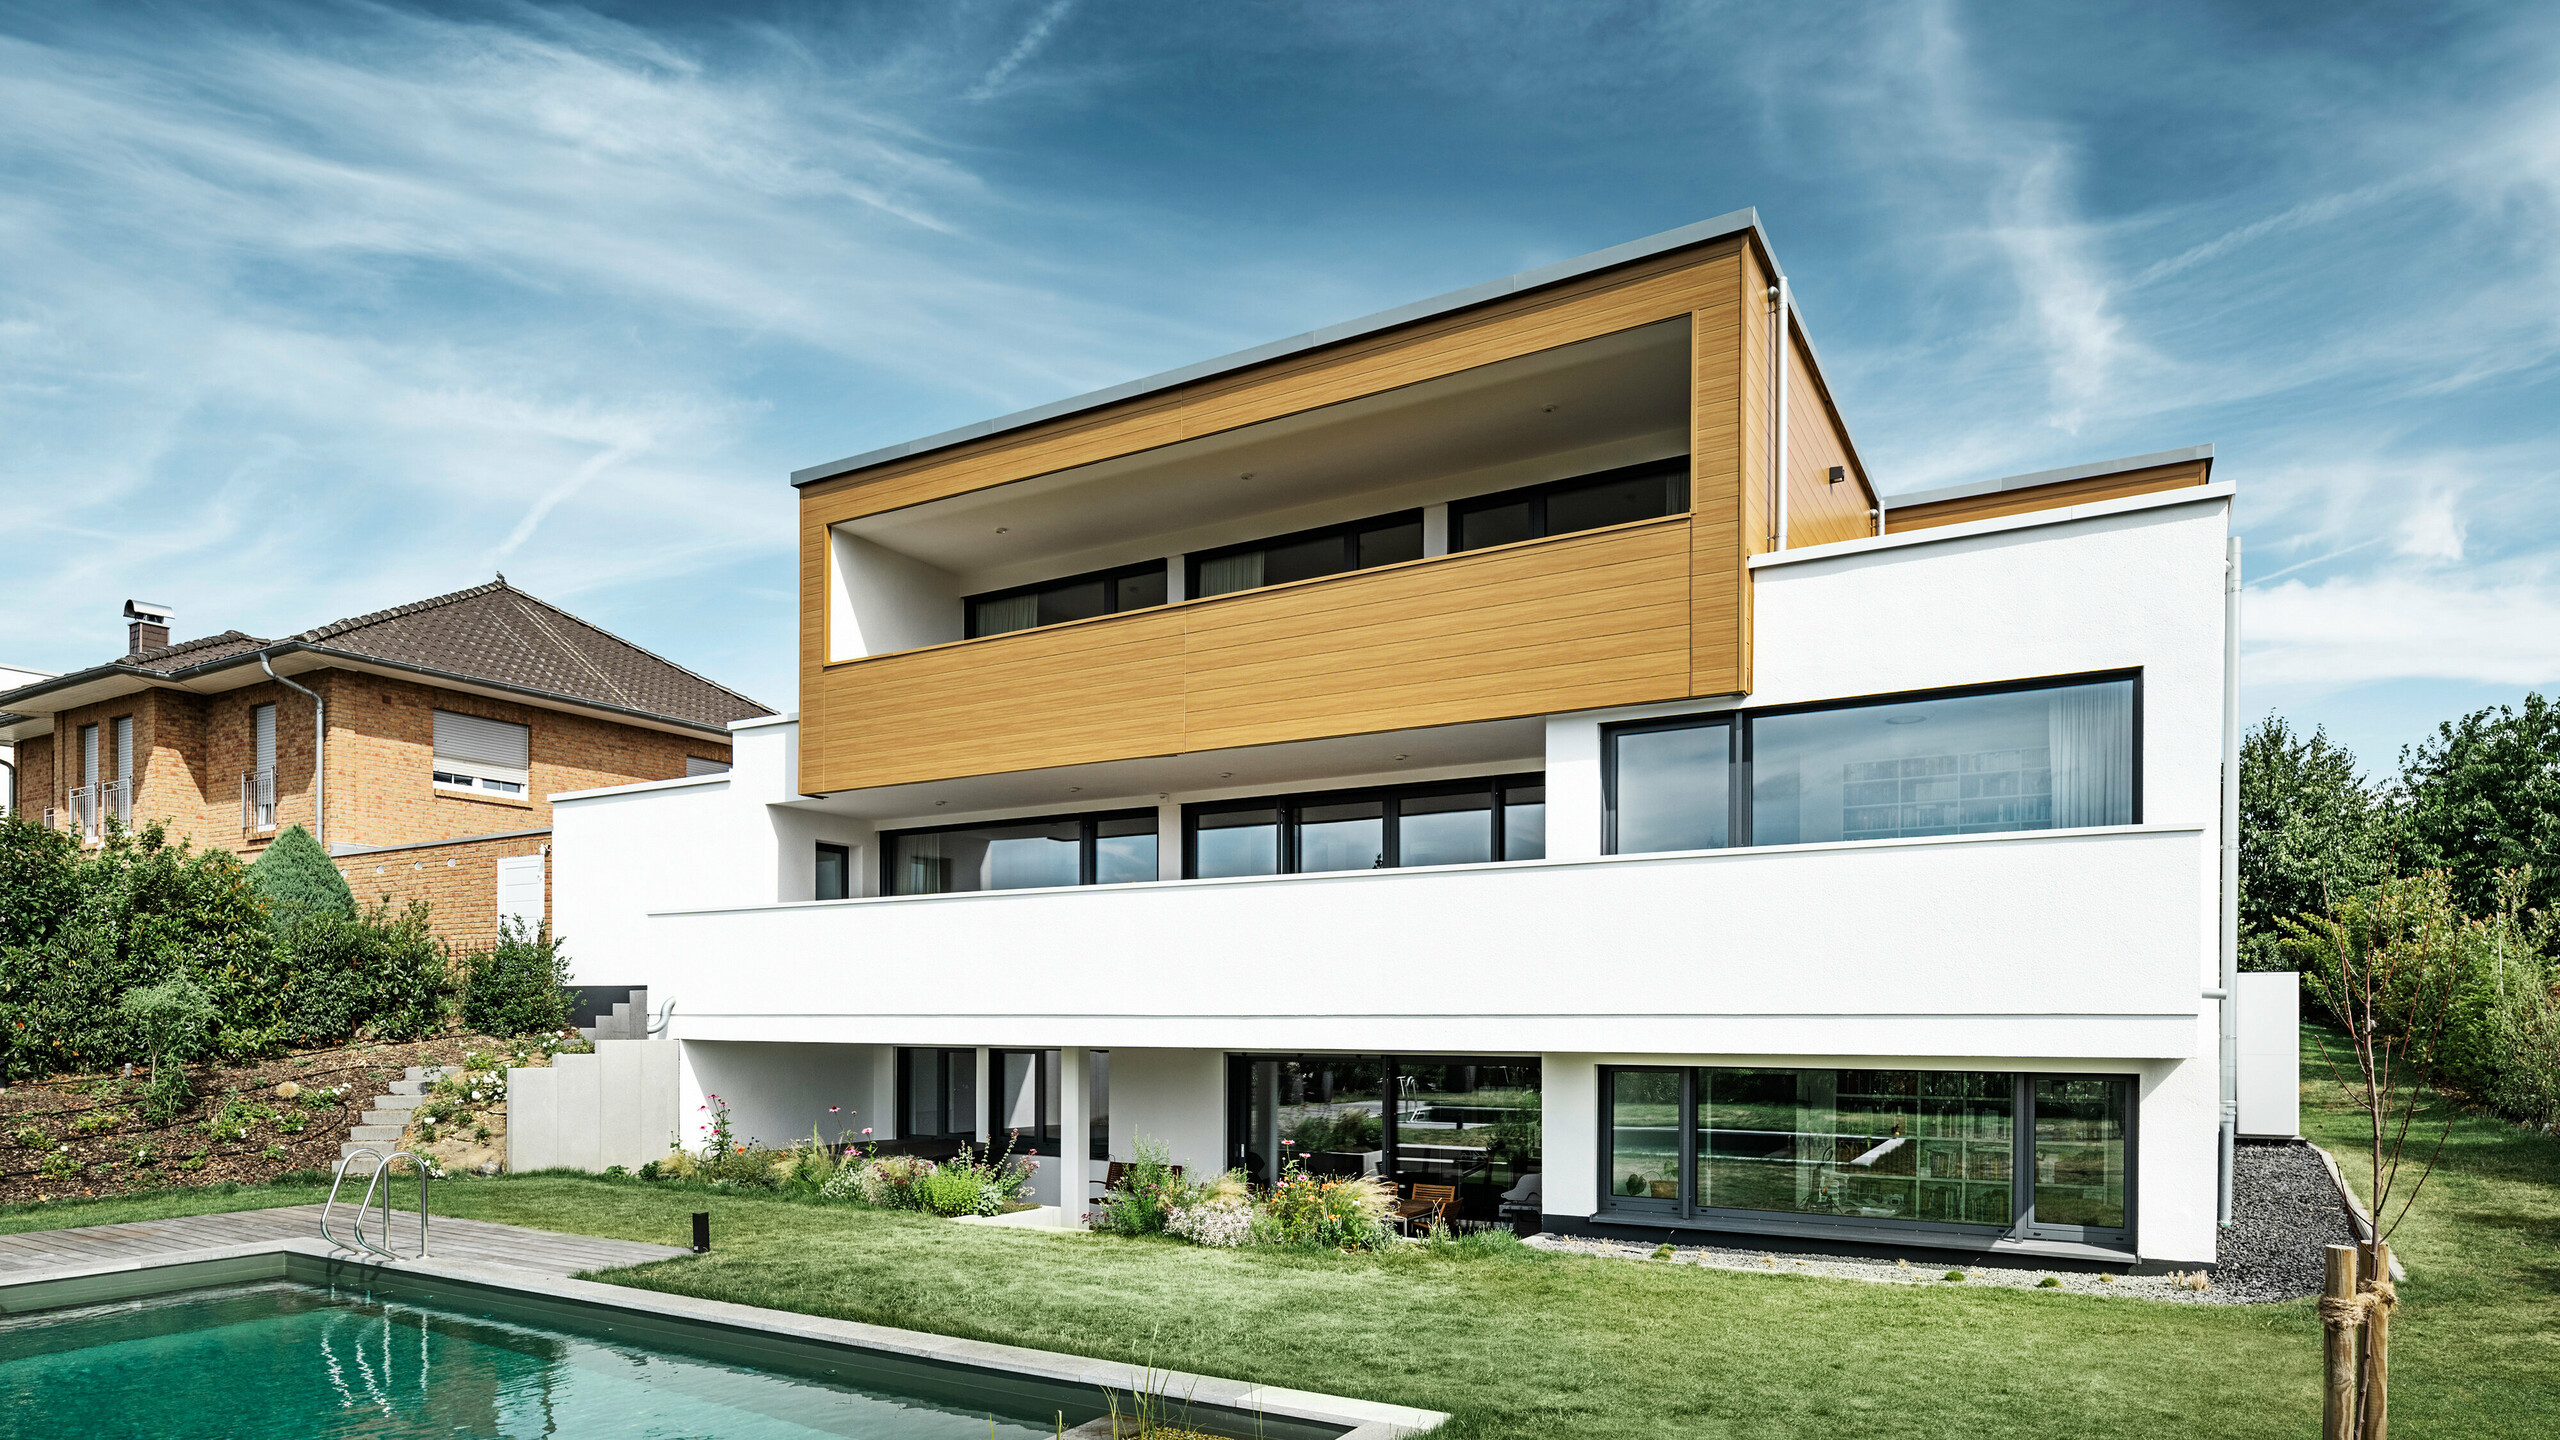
<point x="518" y="986"/>
<point x="2484" y="796"/>
<point x="296" y="877"/>
<point x="172" y="1023"/>
<point x="2309" y="829"/>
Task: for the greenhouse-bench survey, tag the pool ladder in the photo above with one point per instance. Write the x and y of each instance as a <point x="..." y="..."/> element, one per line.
<point x="355" y="1240"/>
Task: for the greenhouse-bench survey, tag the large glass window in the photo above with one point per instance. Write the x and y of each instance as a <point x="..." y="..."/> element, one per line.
<point x="2020" y="757"/>
<point x="1106" y="849"/>
<point x="1448" y="822"/>
<point x="937" y="1093"/>
<point x="1078" y="597"/>
<point x="1559" y="507"/>
<point x="1935" y="1149"/>
<point x="1023" y="1110"/>
<point x="834" y="872"/>
<point x="1360" y="545"/>
<point x="1468" y="1126"/>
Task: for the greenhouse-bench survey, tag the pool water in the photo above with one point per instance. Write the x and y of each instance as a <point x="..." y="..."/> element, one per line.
<point x="284" y="1359"/>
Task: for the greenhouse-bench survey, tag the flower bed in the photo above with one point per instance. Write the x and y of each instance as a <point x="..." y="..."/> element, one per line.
<point x="1333" y="1213"/>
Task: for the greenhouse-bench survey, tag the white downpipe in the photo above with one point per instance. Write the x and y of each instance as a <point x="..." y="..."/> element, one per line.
<point x="319" y="754"/>
<point x="2230" y="997"/>
<point x="1778" y="347"/>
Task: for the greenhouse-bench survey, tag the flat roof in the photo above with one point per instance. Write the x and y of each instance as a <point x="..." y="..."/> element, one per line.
<point x="2088" y="471"/>
<point x="1746" y="220"/>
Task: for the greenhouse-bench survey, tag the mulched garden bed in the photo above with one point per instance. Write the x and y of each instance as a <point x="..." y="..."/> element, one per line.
<point x="83" y="1134"/>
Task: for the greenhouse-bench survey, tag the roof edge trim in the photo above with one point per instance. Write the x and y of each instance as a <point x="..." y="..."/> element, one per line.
<point x="1738" y="222"/>
<point x="2089" y="471"/>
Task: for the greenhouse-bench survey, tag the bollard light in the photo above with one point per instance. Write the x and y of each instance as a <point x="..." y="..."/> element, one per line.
<point x="701" y="1232"/>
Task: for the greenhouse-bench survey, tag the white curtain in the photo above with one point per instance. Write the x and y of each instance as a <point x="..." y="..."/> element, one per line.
<point x="2091" y="730"/>
<point x="1013" y="612"/>
<point x="1231" y="572"/>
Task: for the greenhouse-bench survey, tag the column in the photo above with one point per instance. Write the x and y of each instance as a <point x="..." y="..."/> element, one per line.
<point x="1075" y="1135"/>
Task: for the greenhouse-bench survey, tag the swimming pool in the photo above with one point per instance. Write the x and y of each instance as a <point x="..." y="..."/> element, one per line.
<point x="295" y="1344"/>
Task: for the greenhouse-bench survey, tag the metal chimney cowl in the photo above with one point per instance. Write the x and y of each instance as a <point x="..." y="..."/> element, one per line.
<point x="150" y="627"/>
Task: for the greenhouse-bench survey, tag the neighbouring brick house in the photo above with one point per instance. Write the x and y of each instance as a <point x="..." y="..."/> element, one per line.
<point x="445" y="725"/>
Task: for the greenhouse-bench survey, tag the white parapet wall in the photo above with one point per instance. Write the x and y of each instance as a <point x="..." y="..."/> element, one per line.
<point x="2271" y="1054"/>
<point x="618" y="1106"/>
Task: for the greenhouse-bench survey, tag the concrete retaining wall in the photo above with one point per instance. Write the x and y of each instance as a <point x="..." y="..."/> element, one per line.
<point x="618" y="1106"/>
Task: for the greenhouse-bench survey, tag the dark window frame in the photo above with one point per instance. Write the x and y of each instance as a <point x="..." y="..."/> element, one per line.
<point x="999" y="1136"/>
<point x="1685" y="1212"/>
<point x="1086" y="820"/>
<point x="844" y="867"/>
<point x="1738" y="741"/>
<point x="1110" y="595"/>
<point x="1675" y="476"/>
<point x="1349" y="531"/>
<point x="942" y="1081"/>
<point x="1493" y="787"/>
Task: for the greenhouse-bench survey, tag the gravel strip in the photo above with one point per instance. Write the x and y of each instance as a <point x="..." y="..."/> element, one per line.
<point x="2283" y="1211"/>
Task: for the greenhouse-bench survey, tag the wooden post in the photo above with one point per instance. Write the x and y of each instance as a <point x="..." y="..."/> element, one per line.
<point x="2338" y="1334"/>
<point x="2377" y="1340"/>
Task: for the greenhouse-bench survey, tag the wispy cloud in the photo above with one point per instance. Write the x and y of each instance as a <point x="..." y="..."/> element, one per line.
<point x="1023" y="49"/>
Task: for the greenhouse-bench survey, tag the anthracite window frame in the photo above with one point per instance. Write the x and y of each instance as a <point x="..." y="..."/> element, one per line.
<point x="942" y="1063"/>
<point x="1738" y="738"/>
<point x="1685" y="1212"/>
<point x="1675" y="475"/>
<point x="844" y="867"/>
<point x="1349" y="531"/>
<point x="1087" y="820"/>
<point x="1110" y="594"/>
<point x="1493" y="787"/>
<point x="1040" y="1140"/>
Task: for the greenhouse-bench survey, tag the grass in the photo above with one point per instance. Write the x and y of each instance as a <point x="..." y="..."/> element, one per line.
<point x="1516" y="1342"/>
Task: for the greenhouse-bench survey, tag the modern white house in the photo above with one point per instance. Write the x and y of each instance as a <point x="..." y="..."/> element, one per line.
<point x="1504" y="737"/>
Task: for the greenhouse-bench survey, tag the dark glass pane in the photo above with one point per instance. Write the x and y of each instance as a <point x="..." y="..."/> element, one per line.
<point x="960" y="1100"/>
<point x="832" y="877"/>
<point x="2080" y="1152"/>
<point x="1672" y="789"/>
<point x="1444" y="829"/>
<point x="1017" y="1095"/>
<point x="1390" y="543"/>
<point x="1236" y="842"/>
<point x="1010" y="612"/>
<point x="1098" y="1101"/>
<point x="993" y="857"/>
<point x="1124" y="850"/>
<point x="1350" y="836"/>
<point x="922" y="1077"/>
<point x="1972" y="764"/>
<point x="1226" y="574"/>
<point x="1137" y="592"/>
<point x="1606" y="502"/>
<point x="1868" y="1144"/>
<point x="1080" y="601"/>
<point x="1301" y="559"/>
<point x="1497" y="525"/>
<point x="1644" y="1136"/>
<point x="1524" y="822"/>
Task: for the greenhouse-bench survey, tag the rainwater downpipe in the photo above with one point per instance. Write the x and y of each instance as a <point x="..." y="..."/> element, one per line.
<point x="319" y="754"/>
<point x="2229" y="994"/>
<point x="1778" y="347"/>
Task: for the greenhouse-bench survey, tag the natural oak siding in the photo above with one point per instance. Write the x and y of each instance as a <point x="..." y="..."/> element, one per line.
<point x="1819" y="512"/>
<point x="2049" y="497"/>
<point x="1566" y="623"/>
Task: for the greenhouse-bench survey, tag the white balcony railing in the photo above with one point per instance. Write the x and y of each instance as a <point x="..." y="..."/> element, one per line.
<point x="115" y="800"/>
<point x="258" y="800"/>
<point x="2072" y="942"/>
<point x="81" y="810"/>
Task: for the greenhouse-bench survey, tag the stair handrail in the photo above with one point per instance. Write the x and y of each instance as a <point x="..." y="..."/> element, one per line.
<point x="381" y="1166"/>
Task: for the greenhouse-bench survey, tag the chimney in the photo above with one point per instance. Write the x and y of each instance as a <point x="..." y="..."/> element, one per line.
<point x="150" y="627"/>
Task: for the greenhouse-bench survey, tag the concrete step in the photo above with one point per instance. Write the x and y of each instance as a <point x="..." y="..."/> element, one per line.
<point x="398" y="1102"/>
<point x="415" y="1089"/>
<point x="379" y="1134"/>
<point x="375" y="1119"/>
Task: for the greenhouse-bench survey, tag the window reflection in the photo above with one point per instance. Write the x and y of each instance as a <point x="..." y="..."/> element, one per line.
<point x="1236" y="842"/>
<point x="1445" y="829"/>
<point x="1022" y="854"/>
<point x="1524" y="822"/>
<point x="1672" y="788"/>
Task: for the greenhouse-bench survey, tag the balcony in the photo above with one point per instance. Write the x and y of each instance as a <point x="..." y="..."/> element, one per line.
<point x="258" y="801"/>
<point x="1599" y="617"/>
<point x="2083" y="943"/>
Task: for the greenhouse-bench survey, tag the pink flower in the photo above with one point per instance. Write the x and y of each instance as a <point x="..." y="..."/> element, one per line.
<point x="832" y="1109"/>
<point x="866" y="1129"/>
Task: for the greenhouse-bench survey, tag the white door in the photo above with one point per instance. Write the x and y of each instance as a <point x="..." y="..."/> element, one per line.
<point x="520" y="891"/>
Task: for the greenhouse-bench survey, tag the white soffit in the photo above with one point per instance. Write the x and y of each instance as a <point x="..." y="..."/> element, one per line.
<point x="1631" y="383"/>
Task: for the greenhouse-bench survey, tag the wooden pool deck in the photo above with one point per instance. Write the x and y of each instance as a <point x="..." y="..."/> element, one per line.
<point x="479" y="1242"/>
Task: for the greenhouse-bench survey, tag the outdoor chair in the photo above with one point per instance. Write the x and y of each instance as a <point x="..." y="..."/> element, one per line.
<point x="1429" y="1203"/>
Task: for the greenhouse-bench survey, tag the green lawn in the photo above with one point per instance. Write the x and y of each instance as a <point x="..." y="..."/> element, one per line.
<point x="1528" y="1344"/>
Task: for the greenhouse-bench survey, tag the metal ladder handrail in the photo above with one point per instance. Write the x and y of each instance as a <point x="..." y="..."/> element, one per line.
<point x="381" y="1166"/>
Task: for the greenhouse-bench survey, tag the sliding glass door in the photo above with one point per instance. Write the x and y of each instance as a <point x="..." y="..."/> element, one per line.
<point x="1937" y="1149"/>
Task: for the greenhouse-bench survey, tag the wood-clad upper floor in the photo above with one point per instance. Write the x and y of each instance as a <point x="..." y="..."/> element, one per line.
<point x="1660" y="350"/>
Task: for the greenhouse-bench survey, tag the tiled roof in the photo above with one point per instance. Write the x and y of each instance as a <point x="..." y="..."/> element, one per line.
<point x="497" y="632"/>
<point x="188" y="654"/>
<point x="494" y="633"/>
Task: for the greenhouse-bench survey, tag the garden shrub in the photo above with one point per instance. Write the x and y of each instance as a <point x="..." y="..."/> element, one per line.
<point x="298" y="880"/>
<point x="888" y="1181"/>
<point x="519" y="985"/>
<point x="1348" y="1213"/>
<point x="948" y="1192"/>
<point x="1148" y="1193"/>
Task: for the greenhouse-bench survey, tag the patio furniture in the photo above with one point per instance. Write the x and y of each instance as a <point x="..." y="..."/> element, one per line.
<point x="1429" y="1202"/>
<point x="1524" y="1204"/>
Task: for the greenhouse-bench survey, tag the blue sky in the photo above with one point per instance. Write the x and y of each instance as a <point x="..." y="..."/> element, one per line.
<point x="307" y="310"/>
